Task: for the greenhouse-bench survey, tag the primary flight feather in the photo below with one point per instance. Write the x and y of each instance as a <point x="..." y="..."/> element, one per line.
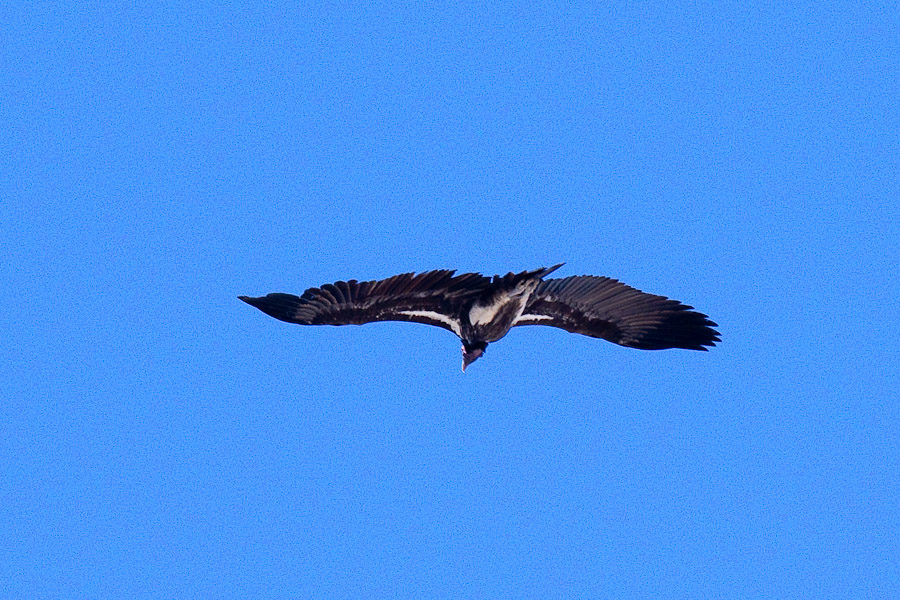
<point x="480" y="309"/>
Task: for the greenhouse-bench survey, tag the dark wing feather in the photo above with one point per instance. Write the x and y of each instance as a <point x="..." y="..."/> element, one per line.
<point x="354" y="303"/>
<point x="605" y="308"/>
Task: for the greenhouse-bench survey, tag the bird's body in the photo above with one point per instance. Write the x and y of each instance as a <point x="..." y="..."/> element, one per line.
<point x="481" y="310"/>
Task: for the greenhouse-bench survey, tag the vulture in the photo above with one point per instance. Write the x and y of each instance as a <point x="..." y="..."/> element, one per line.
<point x="481" y="310"/>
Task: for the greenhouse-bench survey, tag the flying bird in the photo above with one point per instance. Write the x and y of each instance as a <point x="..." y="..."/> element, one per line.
<point x="481" y="310"/>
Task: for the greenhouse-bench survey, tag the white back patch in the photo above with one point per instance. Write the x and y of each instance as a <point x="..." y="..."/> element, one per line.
<point x="479" y="315"/>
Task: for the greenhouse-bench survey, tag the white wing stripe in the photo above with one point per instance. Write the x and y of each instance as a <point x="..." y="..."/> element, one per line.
<point x="434" y="316"/>
<point x="532" y="318"/>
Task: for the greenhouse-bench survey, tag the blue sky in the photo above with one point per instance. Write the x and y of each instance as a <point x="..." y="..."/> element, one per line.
<point x="159" y="438"/>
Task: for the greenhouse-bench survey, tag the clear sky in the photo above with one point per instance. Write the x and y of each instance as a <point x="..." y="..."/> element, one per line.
<point x="161" y="439"/>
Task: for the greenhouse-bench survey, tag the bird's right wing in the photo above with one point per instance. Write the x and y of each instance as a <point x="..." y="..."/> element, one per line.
<point x="433" y="298"/>
<point x="601" y="307"/>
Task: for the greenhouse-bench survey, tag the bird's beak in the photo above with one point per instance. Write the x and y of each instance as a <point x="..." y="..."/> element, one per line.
<point x="471" y="356"/>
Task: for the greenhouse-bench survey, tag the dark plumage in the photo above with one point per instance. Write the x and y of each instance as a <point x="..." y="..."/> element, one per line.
<point x="480" y="310"/>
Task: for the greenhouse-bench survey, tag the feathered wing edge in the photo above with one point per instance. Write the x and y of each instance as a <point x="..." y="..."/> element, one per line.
<point x="428" y="298"/>
<point x="605" y="308"/>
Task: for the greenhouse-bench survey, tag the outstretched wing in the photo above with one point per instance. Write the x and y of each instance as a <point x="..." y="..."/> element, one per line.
<point x="433" y="298"/>
<point x="601" y="307"/>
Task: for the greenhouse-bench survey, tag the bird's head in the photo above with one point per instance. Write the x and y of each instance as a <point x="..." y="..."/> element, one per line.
<point x="472" y="352"/>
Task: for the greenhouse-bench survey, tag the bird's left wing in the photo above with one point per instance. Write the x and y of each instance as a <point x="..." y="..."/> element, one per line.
<point x="432" y="298"/>
<point x="601" y="307"/>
